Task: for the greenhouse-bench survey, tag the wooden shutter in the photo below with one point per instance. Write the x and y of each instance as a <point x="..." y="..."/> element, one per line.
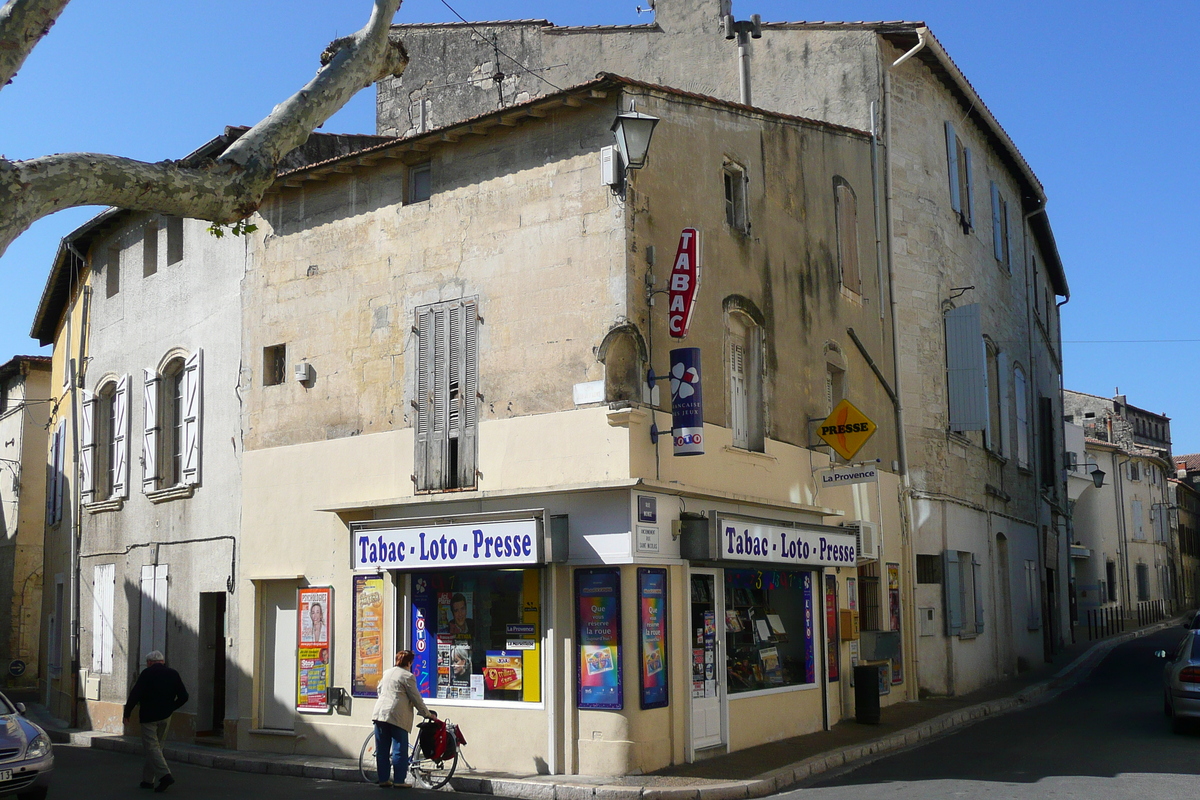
<point x="1004" y="395"/>
<point x="150" y="431"/>
<point x="193" y="399"/>
<point x="1139" y="532"/>
<point x="104" y="580"/>
<point x="846" y="208"/>
<point x="737" y="393"/>
<point x="952" y="592"/>
<point x="952" y="168"/>
<point x="120" y="439"/>
<point x="997" y="224"/>
<point x="439" y="440"/>
<point x="966" y="369"/>
<point x="968" y="205"/>
<point x="989" y="395"/>
<point x="154" y="609"/>
<point x="468" y="382"/>
<point x="87" y="448"/>
<point x="424" y="398"/>
<point x="1021" y="396"/>
<point x="977" y="579"/>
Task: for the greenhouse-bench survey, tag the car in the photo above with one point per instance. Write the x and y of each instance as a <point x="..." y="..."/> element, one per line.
<point x="1192" y="622"/>
<point x="26" y="755"/>
<point x="1181" y="681"/>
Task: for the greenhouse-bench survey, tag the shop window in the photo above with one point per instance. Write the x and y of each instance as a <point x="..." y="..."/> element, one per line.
<point x="769" y="629"/>
<point x="474" y="616"/>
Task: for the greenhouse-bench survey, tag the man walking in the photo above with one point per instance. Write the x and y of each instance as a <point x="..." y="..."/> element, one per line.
<point x="159" y="691"/>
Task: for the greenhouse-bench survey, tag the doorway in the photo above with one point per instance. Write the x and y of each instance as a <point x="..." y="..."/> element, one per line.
<point x="706" y="635"/>
<point x="211" y="669"/>
<point x="278" y="687"/>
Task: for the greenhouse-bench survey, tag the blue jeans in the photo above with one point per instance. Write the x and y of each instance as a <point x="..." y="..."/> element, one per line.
<point x="391" y="750"/>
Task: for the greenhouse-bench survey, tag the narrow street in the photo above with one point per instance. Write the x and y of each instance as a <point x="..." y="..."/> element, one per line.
<point x="1104" y="738"/>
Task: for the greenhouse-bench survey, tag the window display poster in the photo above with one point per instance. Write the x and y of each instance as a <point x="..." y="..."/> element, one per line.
<point x="810" y="651"/>
<point x="367" y="667"/>
<point x="424" y="647"/>
<point x="652" y="602"/>
<point x="893" y="582"/>
<point x="831" y="624"/>
<point x="503" y="670"/>
<point x="455" y="614"/>
<point x="598" y="632"/>
<point x="852" y="594"/>
<point x="313" y="604"/>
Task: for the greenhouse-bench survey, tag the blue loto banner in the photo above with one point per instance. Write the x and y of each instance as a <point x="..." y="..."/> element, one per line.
<point x="687" y="403"/>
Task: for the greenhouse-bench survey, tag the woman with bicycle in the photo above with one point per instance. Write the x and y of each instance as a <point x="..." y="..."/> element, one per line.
<point x="393" y="718"/>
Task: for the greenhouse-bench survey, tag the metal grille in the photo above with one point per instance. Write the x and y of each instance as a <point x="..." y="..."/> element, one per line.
<point x="870" y="615"/>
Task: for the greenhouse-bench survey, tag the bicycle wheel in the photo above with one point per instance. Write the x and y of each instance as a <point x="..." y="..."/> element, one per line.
<point x="429" y="773"/>
<point x="366" y="760"/>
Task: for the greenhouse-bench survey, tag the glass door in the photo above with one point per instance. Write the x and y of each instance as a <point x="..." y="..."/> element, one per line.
<point x="708" y="668"/>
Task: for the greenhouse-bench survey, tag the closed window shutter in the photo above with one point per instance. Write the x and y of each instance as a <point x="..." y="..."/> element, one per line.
<point x="120" y="434"/>
<point x="737" y="393"/>
<point x="439" y="440"/>
<point x="104" y="579"/>
<point x="966" y="370"/>
<point x="87" y="448"/>
<point x="1002" y="389"/>
<point x="60" y="477"/>
<point x="1008" y="248"/>
<point x="967" y="203"/>
<point x="469" y="393"/>
<point x="1021" y="396"/>
<point x="952" y="168"/>
<point x="989" y="433"/>
<point x="424" y="398"/>
<point x="193" y="400"/>
<point x="1136" y="510"/>
<point x="154" y="608"/>
<point x="150" y="432"/>
<point x="977" y="568"/>
<point x="846" y="207"/>
<point x="997" y="224"/>
<point x="952" y="592"/>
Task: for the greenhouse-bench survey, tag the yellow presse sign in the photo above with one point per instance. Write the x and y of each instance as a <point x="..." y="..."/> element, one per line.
<point x="847" y="429"/>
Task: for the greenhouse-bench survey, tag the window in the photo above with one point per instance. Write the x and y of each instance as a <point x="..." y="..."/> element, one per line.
<point x="958" y="158"/>
<point x="966" y="371"/>
<point x="1022" y="402"/>
<point x="103" y="587"/>
<point x="447" y="395"/>
<point x="1110" y="571"/>
<point x="929" y="568"/>
<point x="1135" y="471"/>
<point x="744" y="374"/>
<point x="174" y="240"/>
<point x="962" y="593"/>
<point x="172" y="415"/>
<point x="150" y="249"/>
<point x="1143" y="582"/>
<point x="997" y="401"/>
<point x="1000" y="236"/>
<point x="112" y="271"/>
<point x="835" y="386"/>
<point x="769" y="629"/>
<point x="104" y="456"/>
<point x="274" y="364"/>
<point x="420" y="183"/>
<point x="846" y="214"/>
<point x="1135" y="510"/>
<point x="56" y="482"/>
<point x="735" y="198"/>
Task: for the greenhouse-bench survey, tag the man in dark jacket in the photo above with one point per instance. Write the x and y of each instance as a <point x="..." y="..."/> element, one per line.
<point x="158" y="692"/>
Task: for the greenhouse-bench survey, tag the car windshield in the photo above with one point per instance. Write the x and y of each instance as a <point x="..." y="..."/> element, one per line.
<point x="5" y="706"/>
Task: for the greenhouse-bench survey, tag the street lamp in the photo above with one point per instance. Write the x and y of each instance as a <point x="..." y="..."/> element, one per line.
<point x="1098" y="477"/>
<point x="633" y="130"/>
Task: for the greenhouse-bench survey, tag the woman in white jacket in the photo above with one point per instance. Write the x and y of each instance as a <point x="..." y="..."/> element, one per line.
<point x="393" y="717"/>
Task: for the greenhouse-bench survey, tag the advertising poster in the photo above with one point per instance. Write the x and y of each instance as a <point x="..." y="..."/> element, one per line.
<point x="852" y="594"/>
<point x="893" y="582"/>
<point x="598" y="632"/>
<point x="810" y="651"/>
<point x="456" y="614"/>
<point x="687" y="402"/>
<point x="652" y="625"/>
<point x="314" y="607"/>
<point x="367" y="666"/>
<point x="831" y="625"/>
<point x="503" y="670"/>
<point x="423" y="644"/>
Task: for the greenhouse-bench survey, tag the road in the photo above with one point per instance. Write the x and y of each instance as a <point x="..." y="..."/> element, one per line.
<point x="1104" y="738"/>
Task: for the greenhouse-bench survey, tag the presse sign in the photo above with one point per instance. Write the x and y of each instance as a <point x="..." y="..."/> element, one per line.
<point x="494" y="544"/>
<point x="746" y="541"/>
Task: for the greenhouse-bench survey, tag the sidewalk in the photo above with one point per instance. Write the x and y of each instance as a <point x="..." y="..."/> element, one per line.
<point x="754" y="772"/>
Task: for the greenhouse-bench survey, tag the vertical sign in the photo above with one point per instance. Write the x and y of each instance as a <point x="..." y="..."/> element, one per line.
<point x="422" y="643"/>
<point x="312" y="651"/>
<point x="685" y="280"/>
<point x="893" y="580"/>
<point x="687" y="403"/>
<point x="598" y="632"/>
<point x="810" y="651"/>
<point x="831" y="625"/>
<point x="652" y="635"/>
<point x="367" y="666"/>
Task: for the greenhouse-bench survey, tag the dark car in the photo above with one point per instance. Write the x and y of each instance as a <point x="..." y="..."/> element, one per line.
<point x="26" y="755"/>
<point x="1181" y="681"/>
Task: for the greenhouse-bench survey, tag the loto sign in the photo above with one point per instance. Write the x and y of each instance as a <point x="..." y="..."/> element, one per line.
<point x="685" y="280"/>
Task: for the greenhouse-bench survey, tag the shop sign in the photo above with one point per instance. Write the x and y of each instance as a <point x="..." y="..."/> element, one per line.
<point x="492" y="544"/>
<point x="598" y="632"/>
<point x="315" y="608"/>
<point x="652" y="636"/>
<point x="745" y="541"/>
<point x="846" y="430"/>
<point x="846" y="476"/>
<point x="685" y="281"/>
<point x="687" y="402"/>
<point x="367" y="666"/>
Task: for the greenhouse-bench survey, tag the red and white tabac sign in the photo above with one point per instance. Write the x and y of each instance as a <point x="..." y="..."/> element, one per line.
<point x="685" y="280"/>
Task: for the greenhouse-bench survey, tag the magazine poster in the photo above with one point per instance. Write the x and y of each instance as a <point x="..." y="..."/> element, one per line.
<point x="893" y="582"/>
<point x="424" y="646"/>
<point x="313" y="605"/>
<point x="652" y="627"/>
<point x="502" y="670"/>
<point x="598" y="632"/>
<point x="810" y="653"/>
<point x="460" y="665"/>
<point x="831" y="626"/>
<point x="456" y="617"/>
<point x="367" y="667"/>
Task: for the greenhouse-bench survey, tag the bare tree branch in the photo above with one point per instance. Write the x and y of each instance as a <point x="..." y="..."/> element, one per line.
<point x="230" y="188"/>
<point x="23" y="23"/>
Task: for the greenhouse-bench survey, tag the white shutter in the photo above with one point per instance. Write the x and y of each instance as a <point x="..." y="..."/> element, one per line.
<point x="737" y="394"/>
<point x="966" y="370"/>
<point x="997" y="224"/>
<point x="87" y="448"/>
<point x="154" y="609"/>
<point x="952" y="167"/>
<point x="150" y="432"/>
<point x="193" y="399"/>
<point x="469" y="393"/>
<point x="120" y="435"/>
<point x="424" y="398"/>
<point x="104" y="582"/>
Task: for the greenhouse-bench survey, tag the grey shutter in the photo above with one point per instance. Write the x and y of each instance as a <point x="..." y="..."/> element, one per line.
<point x="424" y="398"/>
<point x="193" y="399"/>
<point x="439" y="439"/>
<point x="988" y="393"/>
<point x="966" y="369"/>
<point x="968" y="206"/>
<point x="120" y="434"/>
<point x="952" y="591"/>
<point x="997" y="224"/>
<point x="468" y="436"/>
<point x="1008" y="249"/>
<point x="60" y="466"/>
<point x="1002" y="389"/>
<point x="976" y="570"/>
<point x="150" y="432"/>
<point x="87" y="448"/>
<point x="952" y="167"/>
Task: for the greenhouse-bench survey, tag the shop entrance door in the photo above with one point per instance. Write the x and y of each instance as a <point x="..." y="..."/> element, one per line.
<point x="708" y="664"/>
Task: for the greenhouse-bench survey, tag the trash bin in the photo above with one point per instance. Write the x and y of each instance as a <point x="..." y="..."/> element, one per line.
<point x="866" y="694"/>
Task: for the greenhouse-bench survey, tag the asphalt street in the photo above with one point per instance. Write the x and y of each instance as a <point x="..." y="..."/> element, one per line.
<point x="1106" y="737"/>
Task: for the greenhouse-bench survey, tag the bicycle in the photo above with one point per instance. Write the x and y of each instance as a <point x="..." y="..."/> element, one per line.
<point x="427" y="773"/>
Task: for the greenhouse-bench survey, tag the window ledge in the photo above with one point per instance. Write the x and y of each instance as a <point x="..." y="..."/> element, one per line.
<point x="171" y="493"/>
<point x="968" y="635"/>
<point x="751" y="453"/>
<point x="997" y="457"/>
<point x="955" y="436"/>
<point x="1024" y="470"/>
<point x="850" y="295"/>
<point x="102" y="506"/>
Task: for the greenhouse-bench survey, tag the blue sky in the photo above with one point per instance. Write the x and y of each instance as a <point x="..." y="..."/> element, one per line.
<point x="1099" y="96"/>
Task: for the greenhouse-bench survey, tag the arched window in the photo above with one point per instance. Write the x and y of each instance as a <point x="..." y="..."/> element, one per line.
<point x="104" y="456"/>
<point x="171" y="436"/>
<point x="744" y="374"/>
<point x="171" y="411"/>
<point x="846" y="214"/>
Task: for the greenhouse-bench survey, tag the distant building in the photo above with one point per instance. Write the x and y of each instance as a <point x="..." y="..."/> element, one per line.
<point x="1186" y="499"/>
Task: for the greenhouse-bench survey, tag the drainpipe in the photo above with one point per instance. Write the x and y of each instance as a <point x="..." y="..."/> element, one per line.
<point x="1122" y="528"/>
<point x="77" y="497"/>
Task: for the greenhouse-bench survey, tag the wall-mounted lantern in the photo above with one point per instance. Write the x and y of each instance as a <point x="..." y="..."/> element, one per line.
<point x="633" y="130"/>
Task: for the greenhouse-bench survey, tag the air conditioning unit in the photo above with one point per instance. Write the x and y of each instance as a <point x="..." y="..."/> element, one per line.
<point x="866" y="535"/>
<point x="304" y="372"/>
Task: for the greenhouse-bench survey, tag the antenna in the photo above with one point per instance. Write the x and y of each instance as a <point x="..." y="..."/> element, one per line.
<point x="648" y="10"/>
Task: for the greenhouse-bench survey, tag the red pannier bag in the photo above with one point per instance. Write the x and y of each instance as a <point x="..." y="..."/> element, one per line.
<point x="436" y="741"/>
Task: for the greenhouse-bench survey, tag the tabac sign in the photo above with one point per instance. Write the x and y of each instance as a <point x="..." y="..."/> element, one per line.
<point x="685" y="280"/>
<point x="846" y="430"/>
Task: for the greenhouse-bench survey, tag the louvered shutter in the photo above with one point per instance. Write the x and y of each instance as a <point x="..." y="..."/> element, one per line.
<point x="1021" y="396"/>
<point x="1008" y="245"/>
<point x="154" y="608"/>
<point x="87" y="448"/>
<point x="424" y="398"/>
<point x="847" y="230"/>
<point x="120" y="434"/>
<point x="966" y="369"/>
<point x="150" y="431"/>
<point x="104" y="579"/>
<point x="988" y="393"/>
<point x="439" y="439"/>
<point x="952" y="167"/>
<point x="997" y="224"/>
<point x="468" y="360"/>
<point x="977" y="578"/>
<point x="952" y="592"/>
<point x="193" y="401"/>
<point x="737" y="394"/>
<point x="968" y="205"/>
